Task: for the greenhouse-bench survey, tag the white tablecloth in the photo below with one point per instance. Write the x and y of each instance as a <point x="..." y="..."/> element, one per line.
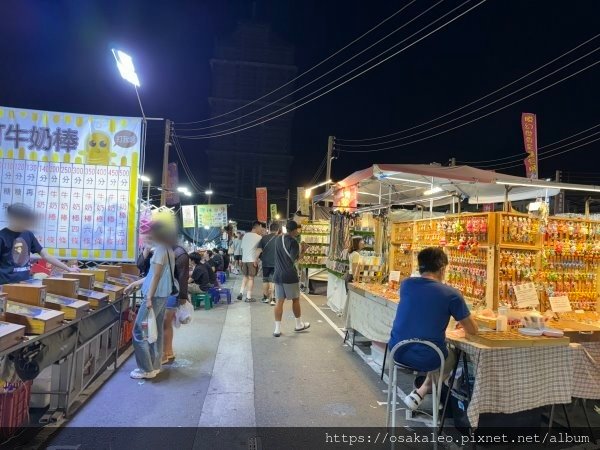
<point x="336" y="294"/>
<point x="370" y="315"/>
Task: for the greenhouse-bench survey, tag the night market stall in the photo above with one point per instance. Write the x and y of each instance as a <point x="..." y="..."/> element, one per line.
<point x="513" y="269"/>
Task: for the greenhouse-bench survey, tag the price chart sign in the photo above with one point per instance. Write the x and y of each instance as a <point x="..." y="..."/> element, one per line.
<point x="80" y="175"/>
<point x="211" y="215"/>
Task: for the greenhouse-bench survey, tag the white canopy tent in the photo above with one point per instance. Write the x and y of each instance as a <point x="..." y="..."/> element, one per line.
<point x="432" y="185"/>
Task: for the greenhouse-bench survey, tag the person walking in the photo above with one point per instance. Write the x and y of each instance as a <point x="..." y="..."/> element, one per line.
<point x="287" y="283"/>
<point x="156" y="288"/>
<point x="237" y="253"/>
<point x="250" y="254"/>
<point x="182" y="271"/>
<point x="267" y="257"/>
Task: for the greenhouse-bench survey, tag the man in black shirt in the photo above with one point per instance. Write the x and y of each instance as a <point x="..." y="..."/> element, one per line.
<point x="199" y="281"/>
<point x="287" y="284"/>
<point x="267" y="256"/>
<point x="17" y="243"/>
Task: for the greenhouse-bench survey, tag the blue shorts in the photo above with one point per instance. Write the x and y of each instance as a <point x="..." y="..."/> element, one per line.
<point x="172" y="302"/>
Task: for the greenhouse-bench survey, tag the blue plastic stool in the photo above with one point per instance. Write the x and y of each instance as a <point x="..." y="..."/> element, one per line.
<point x="221" y="277"/>
<point x="214" y="294"/>
<point x="218" y="293"/>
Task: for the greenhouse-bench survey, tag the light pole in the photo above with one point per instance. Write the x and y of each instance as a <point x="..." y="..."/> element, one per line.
<point x="145" y="179"/>
<point x="209" y="192"/>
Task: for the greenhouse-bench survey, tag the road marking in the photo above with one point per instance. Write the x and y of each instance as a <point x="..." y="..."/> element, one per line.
<point x="327" y="319"/>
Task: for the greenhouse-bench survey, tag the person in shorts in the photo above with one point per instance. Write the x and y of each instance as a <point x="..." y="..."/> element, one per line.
<point x="237" y="253"/>
<point x="267" y="247"/>
<point x="287" y="283"/>
<point x="250" y="255"/>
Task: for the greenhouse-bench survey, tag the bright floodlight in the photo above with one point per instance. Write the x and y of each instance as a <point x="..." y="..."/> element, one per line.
<point x="182" y="189"/>
<point x="187" y="193"/>
<point x="206" y="227"/>
<point x="125" y="66"/>
<point x="208" y="192"/>
<point x="145" y="179"/>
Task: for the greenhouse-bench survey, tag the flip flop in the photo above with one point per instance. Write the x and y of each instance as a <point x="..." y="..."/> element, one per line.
<point x="305" y="327"/>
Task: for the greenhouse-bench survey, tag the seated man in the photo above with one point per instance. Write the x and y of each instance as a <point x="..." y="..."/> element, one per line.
<point x="426" y="305"/>
<point x="199" y="281"/>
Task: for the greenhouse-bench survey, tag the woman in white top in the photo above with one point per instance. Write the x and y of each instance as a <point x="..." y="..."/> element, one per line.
<point x="356" y="245"/>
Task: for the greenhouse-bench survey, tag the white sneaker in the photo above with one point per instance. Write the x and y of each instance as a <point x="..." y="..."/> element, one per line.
<point x="138" y="374"/>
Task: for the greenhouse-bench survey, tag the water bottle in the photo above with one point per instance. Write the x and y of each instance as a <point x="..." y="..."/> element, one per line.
<point x="145" y="329"/>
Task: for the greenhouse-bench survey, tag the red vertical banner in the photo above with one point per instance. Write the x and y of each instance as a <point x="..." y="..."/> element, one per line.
<point x="261" y="204"/>
<point x="529" y="126"/>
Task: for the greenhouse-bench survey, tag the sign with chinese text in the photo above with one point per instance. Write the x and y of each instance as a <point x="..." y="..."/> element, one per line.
<point x="172" y="196"/>
<point x="529" y="126"/>
<point x="302" y="202"/>
<point x="273" y="211"/>
<point x="211" y="215"/>
<point x="79" y="173"/>
<point x="187" y="215"/>
<point x="261" y="204"/>
<point x="527" y="295"/>
<point x="345" y="199"/>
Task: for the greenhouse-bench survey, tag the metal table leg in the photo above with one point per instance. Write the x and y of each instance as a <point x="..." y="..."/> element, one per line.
<point x="384" y="359"/>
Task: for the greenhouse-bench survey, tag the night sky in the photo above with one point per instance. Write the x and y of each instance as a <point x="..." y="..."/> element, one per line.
<point x="56" y="56"/>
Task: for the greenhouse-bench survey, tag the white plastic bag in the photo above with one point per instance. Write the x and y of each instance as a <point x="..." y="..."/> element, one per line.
<point x="183" y="314"/>
<point x="152" y="327"/>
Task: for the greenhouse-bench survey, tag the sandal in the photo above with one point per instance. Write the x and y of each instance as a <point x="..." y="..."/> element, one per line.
<point x="413" y="400"/>
<point x="168" y="359"/>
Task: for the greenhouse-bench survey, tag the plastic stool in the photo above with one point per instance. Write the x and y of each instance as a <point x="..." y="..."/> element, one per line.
<point x="221" y="277"/>
<point x="205" y="297"/>
<point x="225" y="292"/>
<point x="436" y="387"/>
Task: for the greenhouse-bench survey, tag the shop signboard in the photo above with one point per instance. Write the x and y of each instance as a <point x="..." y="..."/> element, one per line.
<point x="261" y="204"/>
<point x="529" y="126"/>
<point x="302" y="202"/>
<point x="172" y="196"/>
<point x="211" y="216"/>
<point x="79" y="173"/>
<point x="187" y="216"/>
<point x="273" y="211"/>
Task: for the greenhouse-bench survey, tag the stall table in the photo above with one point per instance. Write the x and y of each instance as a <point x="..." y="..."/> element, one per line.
<point x="369" y="314"/>
<point x="514" y="379"/>
<point x="586" y="370"/>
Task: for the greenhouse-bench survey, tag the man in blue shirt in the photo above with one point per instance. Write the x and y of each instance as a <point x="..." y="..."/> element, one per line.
<point x="426" y="305"/>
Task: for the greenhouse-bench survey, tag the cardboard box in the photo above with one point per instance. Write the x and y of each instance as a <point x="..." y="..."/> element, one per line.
<point x="113" y="271"/>
<point x="86" y="280"/>
<point x="30" y="294"/>
<point x="37" y="320"/>
<point x="100" y="273"/>
<point x="130" y="269"/>
<point x="61" y="286"/>
<point x="73" y="308"/>
<point x="95" y="299"/>
<point x="10" y="334"/>
<point x="114" y="292"/>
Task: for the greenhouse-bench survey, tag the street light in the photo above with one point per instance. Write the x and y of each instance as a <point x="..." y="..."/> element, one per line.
<point x="187" y="193"/>
<point x="146" y="179"/>
<point x="182" y="189"/>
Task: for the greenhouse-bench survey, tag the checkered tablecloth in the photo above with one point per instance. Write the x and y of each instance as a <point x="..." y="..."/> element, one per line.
<point x="510" y="380"/>
<point x="586" y="370"/>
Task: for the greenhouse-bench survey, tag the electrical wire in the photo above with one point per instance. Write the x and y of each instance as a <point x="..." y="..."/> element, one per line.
<point x="476" y="118"/>
<point x="260" y="121"/>
<point x="307" y="71"/>
<point x="522" y="155"/>
<point x="553" y="155"/>
<point x="374" y="144"/>
<point x="540" y="148"/>
<point x="275" y="102"/>
<point x="474" y="101"/>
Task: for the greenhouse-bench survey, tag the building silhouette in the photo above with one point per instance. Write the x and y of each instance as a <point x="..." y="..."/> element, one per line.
<point x="252" y="62"/>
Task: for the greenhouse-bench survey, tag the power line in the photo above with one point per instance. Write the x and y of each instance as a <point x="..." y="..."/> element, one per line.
<point x="475" y="119"/>
<point x="542" y="153"/>
<point x="275" y="102"/>
<point x="540" y="148"/>
<point x="474" y="101"/>
<point x="374" y="144"/>
<point x="259" y="121"/>
<point x="307" y="71"/>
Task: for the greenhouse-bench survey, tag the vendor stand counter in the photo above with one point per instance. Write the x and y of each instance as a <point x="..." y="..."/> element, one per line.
<point x="370" y="313"/>
<point x="78" y="351"/>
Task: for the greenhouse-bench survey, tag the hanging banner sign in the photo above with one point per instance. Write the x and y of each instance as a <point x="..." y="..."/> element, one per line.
<point x="346" y="199"/>
<point x="261" y="204"/>
<point x="80" y="175"/>
<point x="211" y="215"/>
<point x="302" y="202"/>
<point x="187" y="216"/>
<point x="172" y="196"/>
<point x="273" y="211"/>
<point x="529" y="126"/>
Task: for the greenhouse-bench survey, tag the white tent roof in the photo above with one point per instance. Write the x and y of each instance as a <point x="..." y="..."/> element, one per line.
<point x="405" y="184"/>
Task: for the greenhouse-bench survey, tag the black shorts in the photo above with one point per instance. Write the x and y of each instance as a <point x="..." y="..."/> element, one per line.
<point x="237" y="257"/>
<point x="268" y="273"/>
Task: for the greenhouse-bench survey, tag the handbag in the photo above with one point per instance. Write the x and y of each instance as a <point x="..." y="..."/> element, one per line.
<point x="174" y="285"/>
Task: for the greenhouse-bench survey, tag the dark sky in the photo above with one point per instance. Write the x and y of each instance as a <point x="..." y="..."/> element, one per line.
<point x="56" y="56"/>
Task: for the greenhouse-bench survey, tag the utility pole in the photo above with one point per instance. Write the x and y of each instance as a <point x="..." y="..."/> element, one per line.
<point x="559" y="200"/>
<point x="209" y="190"/>
<point x="330" y="142"/>
<point x="452" y="162"/>
<point x="287" y="209"/>
<point x="165" y="172"/>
